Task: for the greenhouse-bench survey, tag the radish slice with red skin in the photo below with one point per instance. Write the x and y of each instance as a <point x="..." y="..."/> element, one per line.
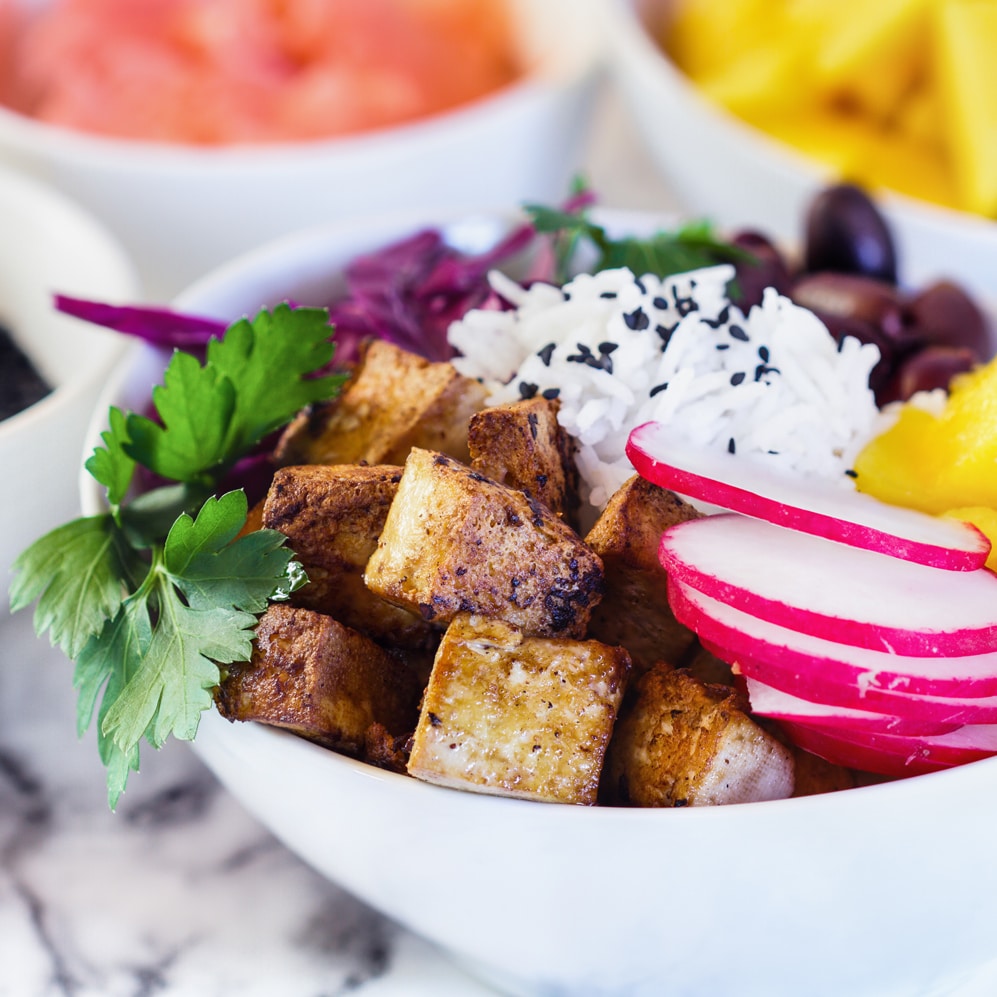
<point x="808" y="505"/>
<point x="818" y="667"/>
<point x="920" y="710"/>
<point x="776" y="704"/>
<point x="887" y="754"/>
<point x="832" y="590"/>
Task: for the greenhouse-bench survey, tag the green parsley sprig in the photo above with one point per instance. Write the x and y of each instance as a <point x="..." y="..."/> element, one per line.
<point x="152" y="597"/>
<point x="691" y="246"/>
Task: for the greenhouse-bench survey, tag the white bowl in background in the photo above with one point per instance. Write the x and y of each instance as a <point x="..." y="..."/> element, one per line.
<point x="182" y="210"/>
<point x="723" y="168"/>
<point x="874" y="892"/>
<point x="51" y="245"/>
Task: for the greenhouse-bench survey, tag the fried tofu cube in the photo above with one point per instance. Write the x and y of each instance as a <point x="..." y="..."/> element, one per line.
<point x="522" y="445"/>
<point x="395" y="400"/>
<point x="332" y="516"/>
<point x="456" y="541"/>
<point x="518" y="716"/>
<point x="634" y="610"/>
<point x="312" y="675"/>
<point x="680" y="742"/>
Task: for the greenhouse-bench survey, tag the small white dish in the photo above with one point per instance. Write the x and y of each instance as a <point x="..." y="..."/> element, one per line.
<point x="873" y="892"/>
<point x="181" y="211"/>
<point x="51" y="245"/>
<point x="724" y="169"/>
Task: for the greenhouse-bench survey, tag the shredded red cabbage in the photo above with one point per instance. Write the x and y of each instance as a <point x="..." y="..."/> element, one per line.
<point x="158" y="326"/>
<point x="407" y="293"/>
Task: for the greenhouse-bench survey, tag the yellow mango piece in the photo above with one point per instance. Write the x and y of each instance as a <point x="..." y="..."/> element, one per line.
<point x="771" y="78"/>
<point x="872" y="54"/>
<point x="938" y="462"/>
<point x="985" y="520"/>
<point x="705" y="35"/>
<point x="908" y="166"/>
<point x="966" y="49"/>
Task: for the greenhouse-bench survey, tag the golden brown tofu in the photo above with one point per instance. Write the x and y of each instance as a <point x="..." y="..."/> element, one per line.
<point x="456" y="541"/>
<point x="634" y="610"/>
<point x="332" y="516"/>
<point x="680" y="743"/>
<point x="518" y="716"/>
<point x="523" y="446"/>
<point x="395" y="400"/>
<point x="322" y="680"/>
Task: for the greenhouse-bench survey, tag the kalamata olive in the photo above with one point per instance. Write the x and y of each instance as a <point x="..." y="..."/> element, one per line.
<point x="20" y="383"/>
<point x="852" y="296"/>
<point x="926" y="369"/>
<point x="767" y="268"/>
<point x="845" y="233"/>
<point x="945" y="315"/>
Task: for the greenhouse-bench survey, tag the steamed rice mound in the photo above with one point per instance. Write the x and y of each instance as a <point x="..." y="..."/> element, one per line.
<point x="618" y="351"/>
<point x="234" y="71"/>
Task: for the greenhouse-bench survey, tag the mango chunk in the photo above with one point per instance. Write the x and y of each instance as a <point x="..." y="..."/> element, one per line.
<point x="967" y="43"/>
<point x="938" y="462"/>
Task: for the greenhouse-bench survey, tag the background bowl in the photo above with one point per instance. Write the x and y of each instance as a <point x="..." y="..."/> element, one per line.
<point x="883" y="890"/>
<point x="51" y="245"/>
<point x="181" y="210"/>
<point x="722" y="168"/>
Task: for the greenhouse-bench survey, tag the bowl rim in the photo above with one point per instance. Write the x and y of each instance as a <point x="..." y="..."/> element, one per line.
<point x="296" y="246"/>
<point x="542" y="72"/>
<point x="632" y="39"/>
<point x="36" y="196"/>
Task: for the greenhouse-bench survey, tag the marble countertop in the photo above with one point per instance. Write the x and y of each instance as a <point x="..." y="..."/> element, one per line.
<point x="180" y="891"/>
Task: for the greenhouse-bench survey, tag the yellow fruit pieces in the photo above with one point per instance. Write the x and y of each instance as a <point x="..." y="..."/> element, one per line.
<point x="896" y="93"/>
<point x="941" y="462"/>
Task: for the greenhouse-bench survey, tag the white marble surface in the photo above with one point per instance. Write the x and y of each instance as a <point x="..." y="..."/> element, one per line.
<point x="181" y="892"/>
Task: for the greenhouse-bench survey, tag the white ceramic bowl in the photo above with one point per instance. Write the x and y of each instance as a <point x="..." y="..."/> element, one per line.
<point x="181" y="210"/>
<point x="879" y="891"/>
<point x="722" y="168"/>
<point x="51" y="245"/>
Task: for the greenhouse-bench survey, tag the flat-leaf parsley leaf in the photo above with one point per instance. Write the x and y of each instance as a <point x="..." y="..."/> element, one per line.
<point x="154" y="597"/>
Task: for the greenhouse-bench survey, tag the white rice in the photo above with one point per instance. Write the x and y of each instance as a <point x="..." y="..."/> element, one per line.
<point x="619" y="351"/>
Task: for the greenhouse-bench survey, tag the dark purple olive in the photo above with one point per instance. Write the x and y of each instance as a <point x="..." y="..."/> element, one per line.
<point x="845" y="233"/>
<point x="943" y="314"/>
<point x="852" y="296"/>
<point x="767" y="268"/>
<point x="926" y="369"/>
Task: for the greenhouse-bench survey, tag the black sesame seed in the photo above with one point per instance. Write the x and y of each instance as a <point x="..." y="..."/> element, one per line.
<point x="738" y="378"/>
<point x="637" y="320"/>
<point x="551" y="393"/>
<point x="731" y="446"/>
<point x="763" y="353"/>
<point x="660" y="302"/>
<point x="658" y="388"/>
<point x="640" y="285"/>
<point x="608" y="347"/>
<point x="852" y="473"/>
<point x="736" y="332"/>
<point x="608" y="294"/>
<point x="546" y="353"/>
<point x="527" y="390"/>
<point x="723" y="346"/>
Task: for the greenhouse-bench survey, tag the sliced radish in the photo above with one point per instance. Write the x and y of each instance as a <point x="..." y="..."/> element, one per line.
<point x="920" y="710"/>
<point x="766" y="701"/>
<point x="888" y="754"/>
<point x="809" y="506"/>
<point x="820" y="669"/>
<point x="834" y="591"/>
